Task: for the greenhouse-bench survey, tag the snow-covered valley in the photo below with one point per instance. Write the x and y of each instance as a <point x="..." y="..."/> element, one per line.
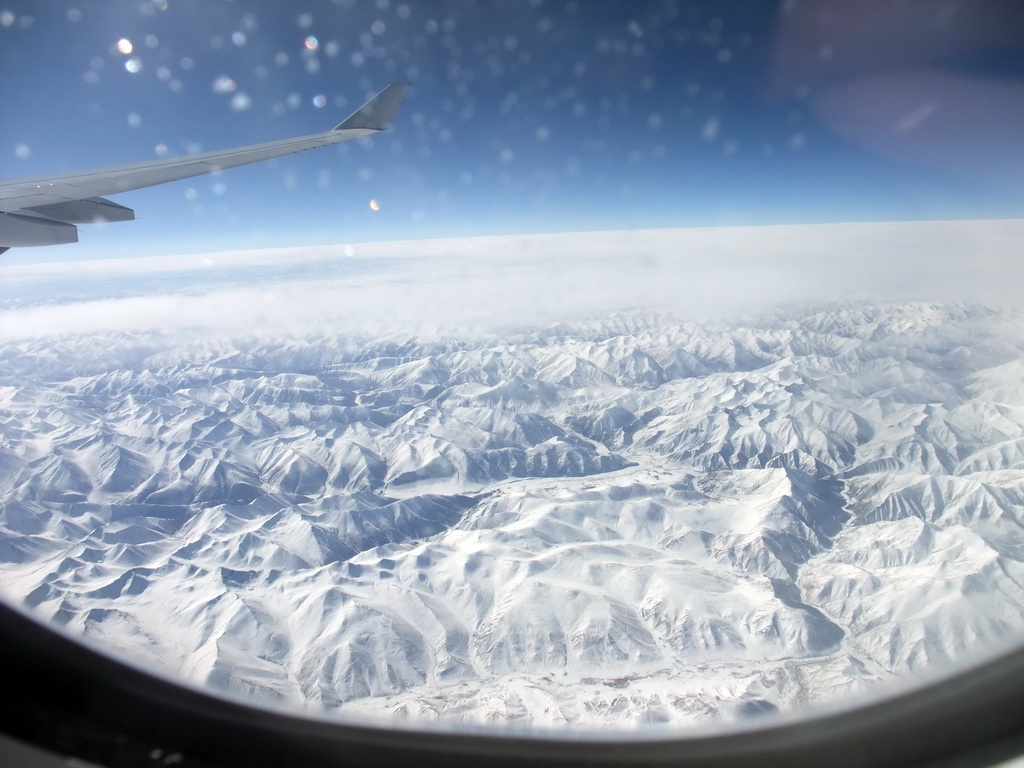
<point x="631" y="519"/>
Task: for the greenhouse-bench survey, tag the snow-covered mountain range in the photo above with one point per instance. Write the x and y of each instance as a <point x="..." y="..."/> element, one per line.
<point x="634" y="519"/>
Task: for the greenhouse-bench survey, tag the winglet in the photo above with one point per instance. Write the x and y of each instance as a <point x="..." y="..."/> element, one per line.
<point x="378" y="112"/>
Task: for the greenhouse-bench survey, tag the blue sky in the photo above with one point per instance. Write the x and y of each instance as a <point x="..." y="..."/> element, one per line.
<point x="523" y="117"/>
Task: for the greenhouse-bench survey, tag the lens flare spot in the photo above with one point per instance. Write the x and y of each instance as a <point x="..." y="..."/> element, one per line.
<point x="241" y="102"/>
<point x="124" y="45"/>
<point x="319" y="101"/>
<point x="224" y="84"/>
<point x="161" y="150"/>
<point x="133" y="65"/>
<point x="374" y="205"/>
<point x="311" y="43"/>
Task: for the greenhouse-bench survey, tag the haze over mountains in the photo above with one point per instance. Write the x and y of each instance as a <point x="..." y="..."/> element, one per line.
<point x="637" y="518"/>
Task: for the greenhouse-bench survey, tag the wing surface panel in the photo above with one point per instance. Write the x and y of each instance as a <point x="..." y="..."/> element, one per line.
<point x="46" y="201"/>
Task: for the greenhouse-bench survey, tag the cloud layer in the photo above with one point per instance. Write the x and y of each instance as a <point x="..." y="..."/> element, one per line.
<point x="495" y="282"/>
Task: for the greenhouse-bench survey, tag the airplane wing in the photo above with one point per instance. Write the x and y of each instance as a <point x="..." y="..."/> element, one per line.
<point x="43" y="210"/>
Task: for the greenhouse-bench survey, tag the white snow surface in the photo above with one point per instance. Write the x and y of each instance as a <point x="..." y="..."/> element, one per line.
<point x="628" y="520"/>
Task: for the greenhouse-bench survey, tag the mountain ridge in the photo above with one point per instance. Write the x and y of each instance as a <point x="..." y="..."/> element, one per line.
<point x="630" y="519"/>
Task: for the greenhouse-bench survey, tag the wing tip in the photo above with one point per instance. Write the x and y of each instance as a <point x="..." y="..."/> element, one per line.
<point x="377" y="113"/>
